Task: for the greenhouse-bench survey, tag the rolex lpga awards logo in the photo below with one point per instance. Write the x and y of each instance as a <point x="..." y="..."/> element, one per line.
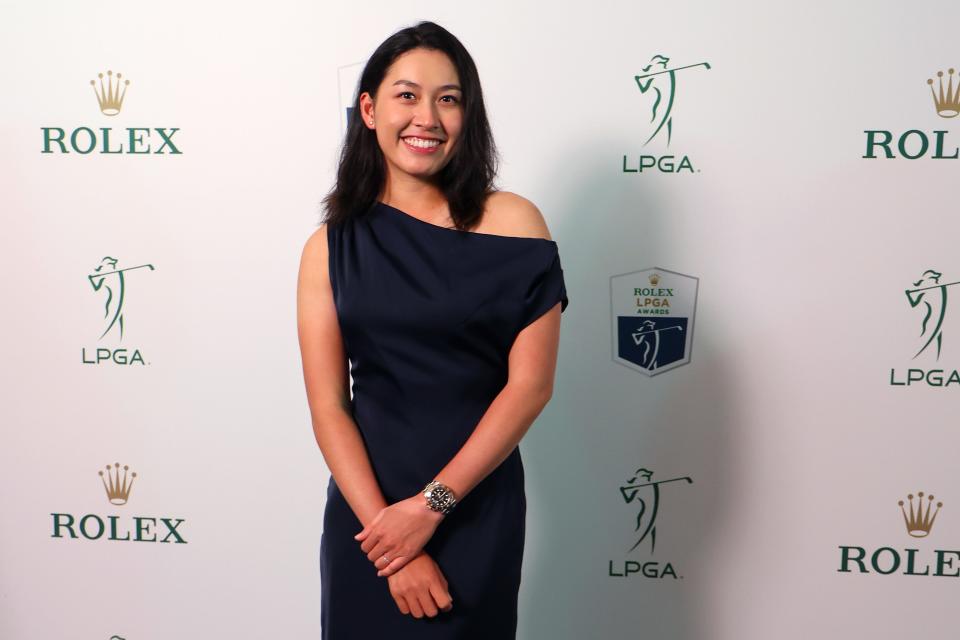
<point x="927" y="297"/>
<point x="653" y="312"/>
<point x="919" y="513"/>
<point x="118" y="481"/>
<point x="110" y="90"/>
<point x="109" y="281"/>
<point x="914" y="144"/>
<point x="657" y="83"/>
<point x="642" y="495"/>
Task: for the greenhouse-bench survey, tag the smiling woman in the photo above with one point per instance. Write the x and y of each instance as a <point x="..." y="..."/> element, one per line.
<point x="419" y="88"/>
<point x="451" y="336"/>
<point x="418" y="124"/>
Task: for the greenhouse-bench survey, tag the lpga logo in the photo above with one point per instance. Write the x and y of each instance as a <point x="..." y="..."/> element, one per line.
<point x="111" y="283"/>
<point x="646" y="514"/>
<point x="929" y="297"/>
<point x="648" y="338"/>
<point x="652" y="314"/>
<point x="643" y="492"/>
<point x="658" y="81"/>
<point x="933" y="297"/>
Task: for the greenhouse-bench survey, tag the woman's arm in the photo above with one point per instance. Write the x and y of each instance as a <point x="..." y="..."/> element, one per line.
<point x="531" y="365"/>
<point x="401" y="529"/>
<point x="532" y="368"/>
<point x="327" y="380"/>
<point x="420" y="588"/>
<point x="398" y="530"/>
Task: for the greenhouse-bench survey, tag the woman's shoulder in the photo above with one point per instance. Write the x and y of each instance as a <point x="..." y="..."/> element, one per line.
<point x="317" y="242"/>
<point x="314" y="255"/>
<point x="509" y="214"/>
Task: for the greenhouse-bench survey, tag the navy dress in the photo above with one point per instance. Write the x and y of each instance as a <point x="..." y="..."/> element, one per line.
<point x="428" y="315"/>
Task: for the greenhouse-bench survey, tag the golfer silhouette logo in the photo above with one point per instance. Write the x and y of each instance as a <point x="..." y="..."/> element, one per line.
<point x="108" y="279"/>
<point x="637" y="487"/>
<point x="647" y="341"/>
<point x="931" y="296"/>
<point x="660" y="81"/>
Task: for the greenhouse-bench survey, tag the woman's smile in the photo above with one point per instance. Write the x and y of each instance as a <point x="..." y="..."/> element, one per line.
<point x="422" y="145"/>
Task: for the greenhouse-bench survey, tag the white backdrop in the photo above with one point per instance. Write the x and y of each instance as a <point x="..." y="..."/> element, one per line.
<point x="785" y="420"/>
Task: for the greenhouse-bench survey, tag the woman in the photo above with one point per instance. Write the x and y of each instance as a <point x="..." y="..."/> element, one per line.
<point x="445" y="297"/>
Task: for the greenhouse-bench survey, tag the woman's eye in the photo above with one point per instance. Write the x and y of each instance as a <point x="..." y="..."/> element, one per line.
<point x="448" y="99"/>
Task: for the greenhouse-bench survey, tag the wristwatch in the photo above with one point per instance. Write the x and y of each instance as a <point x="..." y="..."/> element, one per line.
<point x="439" y="497"/>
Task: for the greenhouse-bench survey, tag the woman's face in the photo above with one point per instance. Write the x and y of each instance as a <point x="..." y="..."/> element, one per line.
<point x="417" y="114"/>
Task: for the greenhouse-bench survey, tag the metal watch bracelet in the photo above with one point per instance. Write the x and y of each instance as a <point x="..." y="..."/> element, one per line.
<point x="439" y="497"/>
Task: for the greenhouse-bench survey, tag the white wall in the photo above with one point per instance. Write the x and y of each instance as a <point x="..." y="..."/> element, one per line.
<point x="785" y="418"/>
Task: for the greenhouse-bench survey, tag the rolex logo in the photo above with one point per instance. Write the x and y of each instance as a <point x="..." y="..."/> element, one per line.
<point x="654" y="279"/>
<point x="946" y="101"/>
<point x="919" y="522"/>
<point x="116" y="527"/>
<point x="110" y="96"/>
<point x="914" y="143"/>
<point x="110" y="89"/>
<point x="116" y="485"/>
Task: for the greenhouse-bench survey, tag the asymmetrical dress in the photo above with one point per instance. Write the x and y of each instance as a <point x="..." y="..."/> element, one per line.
<point x="428" y="315"/>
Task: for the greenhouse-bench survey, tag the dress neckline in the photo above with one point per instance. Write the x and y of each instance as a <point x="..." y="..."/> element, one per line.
<point x="404" y="214"/>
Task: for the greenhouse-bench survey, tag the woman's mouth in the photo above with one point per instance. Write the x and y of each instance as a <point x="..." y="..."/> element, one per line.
<point x="421" y="145"/>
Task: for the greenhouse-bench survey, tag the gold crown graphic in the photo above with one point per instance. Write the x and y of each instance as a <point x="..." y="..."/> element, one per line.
<point x="110" y="97"/>
<point x="654" y="279"/>
<point x="919" y="523"/>
<point x="947" y="102"/>
<point x="117" y="488"/>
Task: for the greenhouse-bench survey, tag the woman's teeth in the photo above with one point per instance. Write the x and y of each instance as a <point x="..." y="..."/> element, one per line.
<point x="421" y="142"/>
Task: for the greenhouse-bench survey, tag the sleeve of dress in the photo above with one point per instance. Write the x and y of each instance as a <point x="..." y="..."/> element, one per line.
<point x="545" y="290"/>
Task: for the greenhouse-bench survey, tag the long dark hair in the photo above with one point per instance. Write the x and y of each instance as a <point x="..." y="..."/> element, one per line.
<point x="465" y="181"/>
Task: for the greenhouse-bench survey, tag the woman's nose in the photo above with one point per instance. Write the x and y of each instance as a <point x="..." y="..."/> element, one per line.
<point x="426" y="115"/>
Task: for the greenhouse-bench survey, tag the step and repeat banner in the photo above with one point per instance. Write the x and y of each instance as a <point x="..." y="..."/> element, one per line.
<point x="753" y="432"/>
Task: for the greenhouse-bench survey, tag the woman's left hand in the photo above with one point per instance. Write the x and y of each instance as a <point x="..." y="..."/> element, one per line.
<point x="398" y="532"/>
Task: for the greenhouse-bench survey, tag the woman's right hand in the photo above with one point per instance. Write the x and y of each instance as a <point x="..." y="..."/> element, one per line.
<point x="420" y="588"/>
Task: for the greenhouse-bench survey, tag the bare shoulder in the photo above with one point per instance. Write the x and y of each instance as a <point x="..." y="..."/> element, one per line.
<point x="314" y="257"/>
<point x="317" y="242"/>
<point x="509" y="214"/>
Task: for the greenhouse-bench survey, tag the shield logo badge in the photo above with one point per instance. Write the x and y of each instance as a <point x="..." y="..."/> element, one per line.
<point x="652" y="314"/>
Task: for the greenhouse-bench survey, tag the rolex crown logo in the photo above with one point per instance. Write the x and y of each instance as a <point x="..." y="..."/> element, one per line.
<point x="654" y="279"/>
<point x="110" y="96"/>
<point x="117" y="485"/>
<point x="947" y="101"/>
<point x="919" y="522"/>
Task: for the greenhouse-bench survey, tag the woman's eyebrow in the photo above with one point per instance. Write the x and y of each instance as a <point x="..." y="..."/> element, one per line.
<point x="417" y="86"/>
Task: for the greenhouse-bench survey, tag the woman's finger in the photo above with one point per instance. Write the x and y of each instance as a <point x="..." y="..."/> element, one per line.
<point x="427" y="604"/>
<point x="414" y="603"/>
<point x="393" y="566"/>
<point x="378" y="552"/>
<point x="402" y="604"/>
<point x="441" y="596"/>
<point x="371" y="541"/>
